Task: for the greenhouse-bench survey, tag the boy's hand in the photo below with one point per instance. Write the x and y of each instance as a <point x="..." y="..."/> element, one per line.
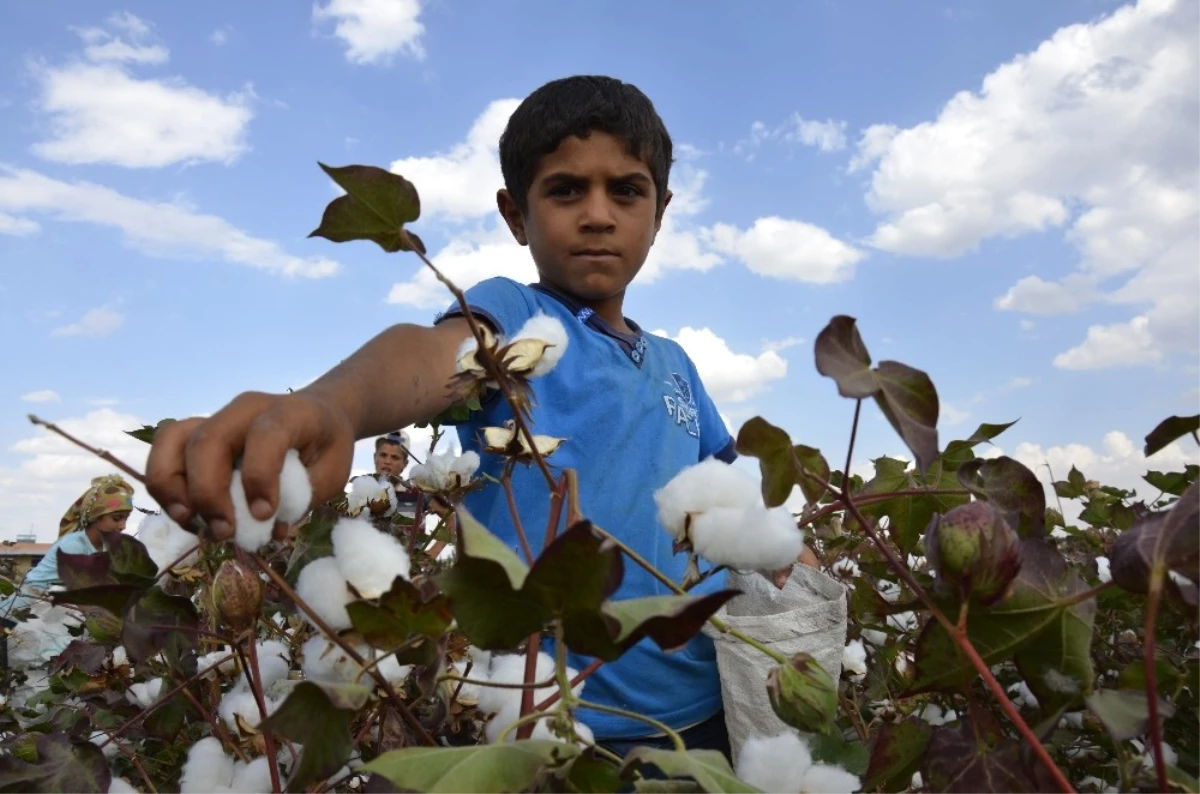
<point x="191" y="462"/>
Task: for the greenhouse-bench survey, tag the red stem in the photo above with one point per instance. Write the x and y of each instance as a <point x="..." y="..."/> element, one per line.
<point x="257" y="688"/>
<point x="1156" y="739"/>
<point x="531" y="657"/>
<point x="583" y="675"/>
<point x="506" y="479"/>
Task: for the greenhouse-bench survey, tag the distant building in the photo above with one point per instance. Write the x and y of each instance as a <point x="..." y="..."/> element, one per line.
<point x="17" y="557"/>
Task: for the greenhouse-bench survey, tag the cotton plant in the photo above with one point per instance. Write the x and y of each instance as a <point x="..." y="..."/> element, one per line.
<point x="507" y="441"/>
<point x="375" y="496"/>
<point x="239" y="707"/>
<point x="718" y="512"/>
<point x="533" y="351"/>
<point x="784" y="763"/>
<point x="325" y="662"/>
<point x="37" y="640"/>
<point x="445" y="472"/>
<point x="166" y="542"/>
<point x="854" y="659"/>
<point x="209" y="769"/>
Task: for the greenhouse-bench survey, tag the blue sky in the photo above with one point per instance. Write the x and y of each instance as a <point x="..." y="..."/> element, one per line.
<point x="1005" y="195"/>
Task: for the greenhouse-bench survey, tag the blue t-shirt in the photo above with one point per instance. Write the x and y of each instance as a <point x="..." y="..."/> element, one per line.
<point x="634" y="413"/>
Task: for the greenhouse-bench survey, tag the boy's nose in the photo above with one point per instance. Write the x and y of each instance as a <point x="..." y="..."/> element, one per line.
<point x="596" y="212"/>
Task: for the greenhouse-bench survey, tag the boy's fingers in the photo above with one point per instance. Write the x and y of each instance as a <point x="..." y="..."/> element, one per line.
<point x="268" y="439"/>
<point x="209" y="456"/>
<point x="166" y="479"/>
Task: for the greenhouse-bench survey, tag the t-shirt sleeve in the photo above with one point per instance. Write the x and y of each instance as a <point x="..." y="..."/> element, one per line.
<point x="715" y="440"/>
<point x="504" y="303"/>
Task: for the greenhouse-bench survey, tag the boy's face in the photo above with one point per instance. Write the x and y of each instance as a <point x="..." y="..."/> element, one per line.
<point x="390" y="459"/>
<point x="592" y="217"/>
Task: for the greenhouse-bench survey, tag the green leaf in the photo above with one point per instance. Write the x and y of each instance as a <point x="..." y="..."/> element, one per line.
<point x="7" y="588"/>
<point x="707" y="767"/>
<point x="310" y="718"/>
<point x="1167" y="538"/>
<point x="1012" y="488"/>
<point x="592" y="775"/>
<point x="1058" y="667"/>
<point x="782" y="465"/>
<point x="1125" y="713"/>
<point x="668" y="620"/>
<point x="832" y="748"/>
<point x="909" y="400"/>
<point x="578" y="572"/>
<point x="314" y="540"/>
<point x="896" y="753"/>
<point x="1169" y="429"/>
<point x="111" y="597"/>
<point x="62" y="764"/>
<point x="376" y="206"/>
<point x="986" y="432"/>
<point x="512" y="766"/>
<point x="1169" y="678"/>
<point x="956" y="761"/>
<point x="1040" y="596"/>
<point x="157" y="620"/>
<point x="146" y="432"/>
<point x="166" y="721"/>
<point x="1074" y="487"/>
<point x="1175" y="482"/>
<point x="842" y="356"/>
<point x="400" y="613"/>
<point x="78" y="571"/>
<point x="129" y="561"/>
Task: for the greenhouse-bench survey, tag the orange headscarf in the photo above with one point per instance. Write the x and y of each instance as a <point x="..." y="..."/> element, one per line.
<point x="107" y="494"/>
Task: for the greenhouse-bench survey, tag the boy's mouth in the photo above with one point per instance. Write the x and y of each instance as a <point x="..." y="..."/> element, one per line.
<point x="594" y="252"/>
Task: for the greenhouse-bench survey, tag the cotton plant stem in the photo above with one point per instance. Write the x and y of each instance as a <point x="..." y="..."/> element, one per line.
<point x="493" y="367"/>
<point x="557" y="497"/>
<point x="506" y="480"/>
<point x="582" y="676"/>
<point x="163" y="699"/>
<point x="405" y="713"/>
<point x="532" y="648"/>
<point x="100" y="453"/>
<point x="125" y="751"/>
<point x="959" y="635"/>
<point x="662" y="727"/>
<point x="1157" y="575"/>
<point x="494" y="685"/>
<point x="268" y="737"/>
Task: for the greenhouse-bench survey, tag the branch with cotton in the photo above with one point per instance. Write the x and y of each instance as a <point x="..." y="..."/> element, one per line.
<point x="505" y="703"/>
<point x="531" y="353"/>
<point x="209" y="769"/>
<point x="295" y="496"/>
<point x="445" y="472"/>
<point x="166" y="542"/>
<point x="510" y="443"/>
<point x="717" y="511"/>
<point x="376" y="496"/>
<point x="784" y="763"/>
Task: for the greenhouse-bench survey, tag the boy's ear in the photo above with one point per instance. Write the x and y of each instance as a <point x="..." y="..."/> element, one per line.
<point x="512" y="215"/>
<point x="661" y="210"/>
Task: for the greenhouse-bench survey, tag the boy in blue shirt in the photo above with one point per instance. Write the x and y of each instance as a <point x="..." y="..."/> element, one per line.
<point x="585" y="163"/>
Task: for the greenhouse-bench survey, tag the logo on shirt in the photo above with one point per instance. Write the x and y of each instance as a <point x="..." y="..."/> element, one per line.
<point x="681" y="406"/>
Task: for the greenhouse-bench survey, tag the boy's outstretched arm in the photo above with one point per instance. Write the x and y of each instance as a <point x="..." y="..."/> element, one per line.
<point x="400" y="377"/>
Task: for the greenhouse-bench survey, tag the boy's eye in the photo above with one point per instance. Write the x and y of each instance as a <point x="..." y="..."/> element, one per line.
<point x="627" y="190"/>
<point x="563" y="190"/>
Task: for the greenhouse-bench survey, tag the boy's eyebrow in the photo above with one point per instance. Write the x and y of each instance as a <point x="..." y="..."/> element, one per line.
<point x="567" y="176"/>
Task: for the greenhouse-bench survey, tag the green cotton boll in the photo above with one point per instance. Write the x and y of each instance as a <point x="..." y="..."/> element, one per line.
<point x="803" y="694"/>
<point x="974" y="551"/>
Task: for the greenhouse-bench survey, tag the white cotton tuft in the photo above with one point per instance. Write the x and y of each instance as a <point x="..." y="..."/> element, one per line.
<point x="251" y="778"/>
<point x="295" y="489"/>
<point x="505" y="704"/>
<point x="747" y="538"/>
<point x="250" y="533"/>
<point x="547" y="329"/>
<point x="854" y="658"/>
<point x="120" y="657"/>
<point x="784" y="763"/>
<point x="119" y="785"/>
<point x="1103" y="569"/>
<point x="367" y="489"/>
<point x="240" y="701"/>
<point x="936" y="716"/>
<point x="710" y="483"/>
<point x="322" y="586"/>
<point x="273" y="663"/>
<point x="324" y="662"/>
<point x="166" y="541"/>
<point x="145" y="694"/>
<point x="207" y="768"/>
<point x="444" y="471"/>
<point x="845" y="567"/>
<point x="227" y="666"/>
<point x="394" y="672"/>
<point x="1024" y="695"/>
<point x="368" y="559"/>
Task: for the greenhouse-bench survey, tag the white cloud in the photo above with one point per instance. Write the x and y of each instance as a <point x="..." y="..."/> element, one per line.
<point x="100" y="321"/>
<point x="1034" y="295"/>
<point x="1127" y="344"/>
<point x="1020" y="382"/>
<point x="375" y="30"/>
<point x="466" y="262"/>
<point x="950" y="415"/>
<point x="158" y="229"/>
<point x="219" y="37"/>
<point x="17" y="227"/>
<point x="1095" y="132"/>
<point x="783" y="344"/>
<point x="51" y="472"/>
<point x="680" y="244"/>
<point x="100" y="113"/>
<point x="828" y="135"/>
<point x="41" y="396"/>
<point x="728" y="376"/>
<point x="788" y="249"/>
<point x="460" y="183"/>
<point x="1119" y="463"/>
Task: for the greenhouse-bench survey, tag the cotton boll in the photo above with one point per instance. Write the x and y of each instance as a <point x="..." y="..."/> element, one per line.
<point x="251" y="778"/>
<point x="367" y="489"/>
<point x="207" y="768"/>
<point x="784" y="763"/>
<point x="145" y="694"/>
<point x="239" y="702"/>
<point x="854" y="658"/>
<point x="295" y="489"/>
<point x="1103" y="569"/>
<point x="710" y="483"/>
<point x="394" y="672"/>
<point x="934" y="715"/>
<point x="119" y="785"/>
<point x="845" y="567"/>
<point x="228" y="661"/>
<point x="322" y="586"/>
<point x="272" y="662"/>
<point x="251" y="534"/>
<point x="120" y="657"/>
<point x="464" y="465"/>
<point x="166" y="541"/>
<point x="444" y="471"/>
<point x="546" y="329"/>
<point x="505" y="704"/>
<point x="324" y="662"/>
<point x="110" y="749"/>
<point x="368" y="559"/>
<point x="747" y="538"/>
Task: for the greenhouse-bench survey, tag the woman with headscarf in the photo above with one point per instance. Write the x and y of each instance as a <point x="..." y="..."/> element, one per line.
<point x="102" y="509"/>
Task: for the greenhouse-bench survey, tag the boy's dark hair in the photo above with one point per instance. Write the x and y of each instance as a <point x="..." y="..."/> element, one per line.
<point x="574" y="106"/>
